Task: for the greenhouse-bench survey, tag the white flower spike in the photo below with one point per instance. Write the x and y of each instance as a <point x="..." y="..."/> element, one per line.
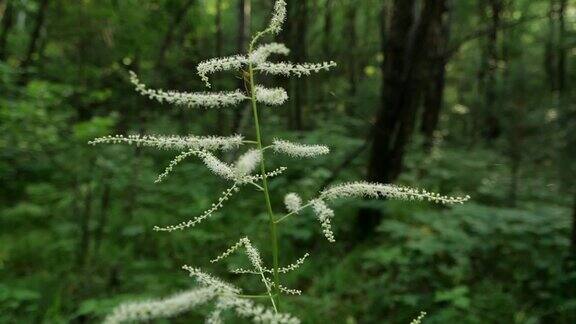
<point x="162" y="308"/>
<point x="299" y="150"/>
<point x="190" y="99"/>
<point x="293" y="69"/>
<point x="324" y="214"/>
<point x="271" y="96"/>
<point x="293" y="202"/>
<point x="247" y="163"/>
<point x="208" y="143"/>
<point x="278" y="17"/>
<point x="261" y="54"/>
<point x="377" y="190"/>
<point x="231" y="63"/>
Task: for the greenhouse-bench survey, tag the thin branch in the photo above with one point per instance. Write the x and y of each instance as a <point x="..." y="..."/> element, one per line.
<point x="485" y="30"/>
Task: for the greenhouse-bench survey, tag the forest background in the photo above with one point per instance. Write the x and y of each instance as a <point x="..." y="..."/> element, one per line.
<point x="459" y="97"/>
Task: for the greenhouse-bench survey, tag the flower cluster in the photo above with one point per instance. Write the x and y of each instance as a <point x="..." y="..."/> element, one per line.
<point x="278" y="17"/>
<point x="208" y="143"/>
<point x="292" y="69"/>
<point x="286" y="269"/>
<point x="418" y="319"/>
<point x="261" y="54"/>
<point x="189" y="99"/>
<point x="256" y="261"/>
<point x="377" y="190"/>
<point x="298" y="150"/>
<point x="271" y="97"/>
<point x="360" y="189"/>
<point x="163" y="308"/>
<point x="240" y="173"/>
<point x="219" y="64"/>
<point x="225" y="297"/>
<point x="324" y="215"/>
<point x="293" y="202"/>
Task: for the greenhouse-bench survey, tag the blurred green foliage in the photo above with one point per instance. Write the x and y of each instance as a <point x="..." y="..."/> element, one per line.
<point x="76" y="220"/>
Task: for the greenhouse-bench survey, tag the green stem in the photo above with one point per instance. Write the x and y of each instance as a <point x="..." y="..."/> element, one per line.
<point x="292" y="213"/>
<point x="273" y="230"/>
<point x="254" y="296"/>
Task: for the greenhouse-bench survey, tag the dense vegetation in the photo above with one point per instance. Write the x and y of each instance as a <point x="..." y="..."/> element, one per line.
<point x="458" y="97"/>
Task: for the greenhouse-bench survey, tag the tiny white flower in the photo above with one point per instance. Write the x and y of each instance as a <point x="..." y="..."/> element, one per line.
<point x="418" y="319"/>
<point x="293" y="202"/>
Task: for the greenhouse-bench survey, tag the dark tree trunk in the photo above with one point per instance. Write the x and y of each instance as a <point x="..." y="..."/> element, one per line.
<point x="300" y="53"/>
<point x="562" y="48"/>
<point x="103" y="216"/>
<point x="7" y="24"/>
<point x="219" y="31"/>
<point x="2" y="8"/>
<point x="327" y="34"/>
<point x="515" y="113"/>
<point x="219" y="46"/>
<point x="84" y="224"/>
<point x="439" y="38"/>
<point x="244" y="18"/>
<point x="168" y="38"/>
<point x="573" y="233"/>
<point x="555" y="54"/>
<point x="351" y="47"/>
<point x="35" y="36"/>
<point x="491" y="126"/>
<point x="403" y="46"/>
<point x="132" y="190"/>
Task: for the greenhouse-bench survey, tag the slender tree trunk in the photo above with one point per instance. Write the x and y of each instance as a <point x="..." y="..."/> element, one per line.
<point x="131" y="200"/>
<point x="219" y="31"/>
<point x="35" y="36"/>
<point x="573" y="233"/>
<point x="549" y="53"/>
<point x="2" y="8"/>
<point x="403" y="47"/>
<point x="515" y="112"/>
<point x="168" y="38"/>
<point x="351" y="47"/>
<point x="84" y="224"/>
<point x="439" y="39"/>
<point x="562" y="48"/>
<point x="219" y="46"/>
<point x="244" y="19"/>
<point x="300" y="54"/>
<point x="7" y="24"/>
<point x="328" y="25"/>
<point x="555" y="54"/>
<point x="103" y="216"/>
<point x="492" y="128"/>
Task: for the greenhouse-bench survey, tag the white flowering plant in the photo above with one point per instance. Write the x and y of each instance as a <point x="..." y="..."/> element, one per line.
<point x="248" y="171"/>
